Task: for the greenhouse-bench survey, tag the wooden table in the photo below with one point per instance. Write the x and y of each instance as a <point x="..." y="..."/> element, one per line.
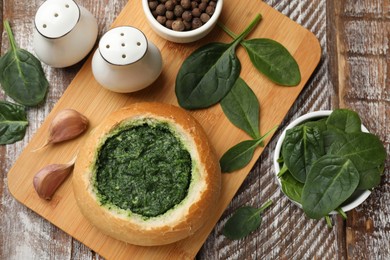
<point x="354" y="72"/>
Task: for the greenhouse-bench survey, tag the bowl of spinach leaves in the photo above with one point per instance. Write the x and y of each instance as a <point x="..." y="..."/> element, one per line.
<point x="327" y="162"/>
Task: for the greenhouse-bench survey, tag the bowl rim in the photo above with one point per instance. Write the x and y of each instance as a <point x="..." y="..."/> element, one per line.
<point x="186" y="34"/>
<point x="312" y="115"/>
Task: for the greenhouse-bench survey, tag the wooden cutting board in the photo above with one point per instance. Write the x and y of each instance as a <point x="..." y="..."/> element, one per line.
<point x="85" y="95"/>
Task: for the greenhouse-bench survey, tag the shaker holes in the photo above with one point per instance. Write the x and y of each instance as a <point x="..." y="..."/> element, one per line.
<point x="122" y="34"/>
<point x="107" y="46"/>
<point x="66" y="6"/>
<point x="138" y="44"/>
<point x="55" y="15"/>
<point x="44" y="25"/>
<point x="124" y="56"/>
<point x="123" y="44"/>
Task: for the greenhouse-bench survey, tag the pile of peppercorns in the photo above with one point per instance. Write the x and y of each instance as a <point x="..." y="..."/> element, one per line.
<point x="182" y="15"/>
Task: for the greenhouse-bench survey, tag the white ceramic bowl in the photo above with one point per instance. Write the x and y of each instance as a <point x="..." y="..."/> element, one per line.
<point x="308" y="117"/>
<point x="186" y="36"/>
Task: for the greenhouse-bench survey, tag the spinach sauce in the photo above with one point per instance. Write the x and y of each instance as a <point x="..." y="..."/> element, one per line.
<point x="143" y="168"/>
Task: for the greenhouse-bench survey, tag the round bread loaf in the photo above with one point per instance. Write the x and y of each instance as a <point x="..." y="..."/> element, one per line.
<point x="139" y="204"/>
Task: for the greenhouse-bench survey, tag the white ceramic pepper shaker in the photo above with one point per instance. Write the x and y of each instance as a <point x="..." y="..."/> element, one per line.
<point x="64" y="33"/>
<point x="126" y="61"/>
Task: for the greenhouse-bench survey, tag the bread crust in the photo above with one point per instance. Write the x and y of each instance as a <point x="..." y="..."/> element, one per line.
<point x="169" y="227"/>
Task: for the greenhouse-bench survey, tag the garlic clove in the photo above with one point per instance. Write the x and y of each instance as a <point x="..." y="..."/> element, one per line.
<point x="66" y="125"/>
<point x="47" y="180"/>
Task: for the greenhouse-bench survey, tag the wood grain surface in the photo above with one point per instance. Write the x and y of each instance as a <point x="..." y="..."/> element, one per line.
<point x="86" y="96"/>
<point x="354" y="73"/>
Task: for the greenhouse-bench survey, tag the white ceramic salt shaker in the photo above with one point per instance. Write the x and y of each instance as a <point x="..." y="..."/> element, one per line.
<point x="64" y="33"/>
<point x="126" y="61"/>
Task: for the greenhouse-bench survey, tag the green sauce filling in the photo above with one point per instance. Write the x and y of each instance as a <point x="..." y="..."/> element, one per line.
<point x="143" y="168"/>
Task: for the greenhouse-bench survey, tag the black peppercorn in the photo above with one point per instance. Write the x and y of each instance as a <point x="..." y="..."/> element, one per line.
<point x="169" y="5"/>
<point x="187" y="16"/>
<point x="194" y="4"/>
<point x="196" y="12"/>
<point x="204" y="17"/>
<point x="210" y="10"/>
<point x="169" y="15"/>
<point x="212" y="3"/>
<point x="202" y="6"/>
<point x="196" y="23"/>
<point x="153" y="5"/>
<point x="160" y="9"/>
<point x="178" y="10"/>
<point x="178" y="25"/>
<point x="186" y="4"/>
<point x="161" y="19"/>
<point x="187" y="25"/>
<point x="168" y="24"/>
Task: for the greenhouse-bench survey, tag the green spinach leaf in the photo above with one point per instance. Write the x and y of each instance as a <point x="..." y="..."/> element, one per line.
<point x="241" y="154"/>
<point x="238" y="156"/>
<point x="332" y="135"/>
<point x="361" y="149"/>
<point x="21" y="74"/>
<point x="320" y="124"/>
<point x="331" y="180"/>
<point x="345" y="120"/>
<point x="291" y="187"/>
<point x="284" y="168"/>
<point x="13" y="122"/>
<point x="366" y="152"/>
<point x="244" y="221"/>
<point x="370" y="177"/>
<point x="209" y="73"/>
<point x="242" y="108"/>
<point x="301" y="147"/>
<point x="273" y="60"/>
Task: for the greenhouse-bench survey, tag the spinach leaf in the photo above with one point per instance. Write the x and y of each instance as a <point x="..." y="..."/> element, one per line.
<point x="242" y="108"/>
<point x="370" y="177"/>
<point x="273" y="60"/>
<point x="320" y="124"/>
<point x="291" y="187"/>
<point x="21" y="74"/>
<point x="13" y="122"/>
<point x="361" y="149"/>
<point x="345" y="120"/>
<point x="283" y="170"/>
<point x="301" y="147"/>
<point x="238" y="156"/>
<point x="244" y="221"/>
<point x="366" y="152"/>
<point x="332" y="135"/>
<point x="331" y="180"/>
<point x="241" y="154"/>
<point x="209" y="73"/>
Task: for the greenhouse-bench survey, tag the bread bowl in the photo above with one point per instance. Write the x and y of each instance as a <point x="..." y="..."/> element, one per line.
<point x="157" y="209"/>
